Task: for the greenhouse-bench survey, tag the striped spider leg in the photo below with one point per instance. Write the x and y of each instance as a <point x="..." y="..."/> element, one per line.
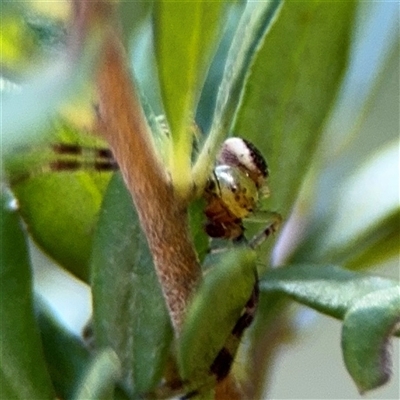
<point x="66" y="157"/>
<point x="73" y="157"/>
<point x="223" y="362"/>
<point x="98" y="159"/>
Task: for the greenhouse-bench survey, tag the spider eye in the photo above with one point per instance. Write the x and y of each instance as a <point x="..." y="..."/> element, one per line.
<point x="238" y="152"/>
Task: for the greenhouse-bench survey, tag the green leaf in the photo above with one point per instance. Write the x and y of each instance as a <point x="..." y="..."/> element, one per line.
<point x="328" y="289"/>
<point x="100" y="378"/>
<point x="23" y="373"/>
<point x="257" y="18"/>
<point x="369" y="306"/>
<point x="185" y="35"/>
<point x="292" y="85"/>
<point x="65" y="367"/>
<point x="60" y="208"/>
<point x="128" y="307"/>
<point x="367" y="327"/>
<point x="214" y="311"/>
<point x="61" y="212"/>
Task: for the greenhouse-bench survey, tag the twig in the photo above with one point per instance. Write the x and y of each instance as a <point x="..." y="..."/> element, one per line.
<point x="162" y="215"/>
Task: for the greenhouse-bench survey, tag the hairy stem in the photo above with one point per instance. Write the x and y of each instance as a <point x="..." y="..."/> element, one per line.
<point x="162" y="215"/>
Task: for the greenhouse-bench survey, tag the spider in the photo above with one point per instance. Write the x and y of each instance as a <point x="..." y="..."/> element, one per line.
<point x="232" y="194"/>
<point x="233" y="191"/>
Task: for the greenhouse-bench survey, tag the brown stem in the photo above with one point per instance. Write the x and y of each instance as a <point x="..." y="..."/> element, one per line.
<point x="163" y="217"/>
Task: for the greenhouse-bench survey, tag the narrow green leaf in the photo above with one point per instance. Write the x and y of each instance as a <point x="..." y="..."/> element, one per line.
<point x="185" y="36"/>
<point x="291" y="88"/>
<point x="129" y="310"/>
<point x="207" y="101"/>
<point x="367" y="327"/>
<point x="100" y="378"/>
<point x="23" y="373"/>
<point x="328" y="289"/>
<point x="257" y="18"/>
<point x="60" y="208"/>
<point x="66" y="355"/>
<point x="214" y="311"/>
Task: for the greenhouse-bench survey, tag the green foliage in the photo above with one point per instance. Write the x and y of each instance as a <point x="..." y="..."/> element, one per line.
<point x="277" y="87"/>
<point x="253" y="25"/>
<point x="328" y="289"/>
<point x="190" y="31"/>
<point x="47" y="199"/>
<point x="228" y="283"/>
<point x="368" y="305"/>
<point x="367" y="327"/>
<point x="289" y="92"/>
<point x="65" y="368"/>
<point x="100" y="378"/>
<point x="23" y="373"/>
<point x="125" y="287"/>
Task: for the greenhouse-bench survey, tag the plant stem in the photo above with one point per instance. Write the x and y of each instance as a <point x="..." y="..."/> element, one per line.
<point x="162" y="215"/>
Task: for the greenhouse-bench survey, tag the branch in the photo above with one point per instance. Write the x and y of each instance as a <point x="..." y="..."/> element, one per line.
<point x="162" y="215"/>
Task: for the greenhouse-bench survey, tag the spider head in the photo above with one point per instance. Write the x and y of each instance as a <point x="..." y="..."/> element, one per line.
<point x="240" y="153"/>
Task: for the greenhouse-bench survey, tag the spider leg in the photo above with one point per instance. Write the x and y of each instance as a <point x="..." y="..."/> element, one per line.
<point x="78" y="150"/>
<point x="67" y="157"/>
<point x="77" y="165"/>
<point x="82" y="157"/>
<point x="271" y="228"/>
